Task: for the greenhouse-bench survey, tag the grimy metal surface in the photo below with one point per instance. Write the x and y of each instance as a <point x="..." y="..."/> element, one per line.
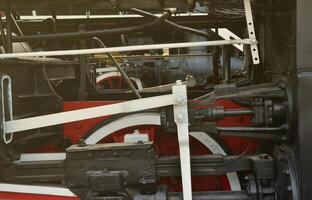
<point x="304" y="74"/>
<point x="74" y="6"/>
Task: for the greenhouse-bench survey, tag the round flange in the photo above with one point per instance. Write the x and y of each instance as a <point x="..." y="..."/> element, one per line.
<point x="286" y="182"/>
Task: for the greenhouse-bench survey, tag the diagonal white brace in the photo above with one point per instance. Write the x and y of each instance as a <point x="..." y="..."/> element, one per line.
<point x="251" y="32"/>
<point x="181" y="119"/>
<point x="88" y="113"/>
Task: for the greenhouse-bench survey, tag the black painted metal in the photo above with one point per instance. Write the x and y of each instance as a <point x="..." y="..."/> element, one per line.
<point x="110" y="168"/>
<point x="69" y="25"/>
<point x="212" y="196"/>
<point x="99" y="157"/>
<point x="8" y="27"/>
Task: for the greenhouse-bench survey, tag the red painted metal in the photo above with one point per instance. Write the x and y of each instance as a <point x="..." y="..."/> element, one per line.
<point x="114" y="82"/>
<point x="165" y="144"/>
<point x="76" y="130"/>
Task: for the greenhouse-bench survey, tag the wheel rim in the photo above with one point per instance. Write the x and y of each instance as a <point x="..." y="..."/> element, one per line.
<point x="115" y="81"/>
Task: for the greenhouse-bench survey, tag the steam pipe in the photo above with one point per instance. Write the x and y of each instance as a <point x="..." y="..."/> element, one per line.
<point x="74" y="35"/>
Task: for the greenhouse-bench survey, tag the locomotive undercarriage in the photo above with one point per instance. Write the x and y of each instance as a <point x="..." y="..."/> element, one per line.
<point x="161" y="100"/>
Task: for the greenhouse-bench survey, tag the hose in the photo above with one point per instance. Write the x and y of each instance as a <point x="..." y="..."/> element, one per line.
<point x="209" y="34"/>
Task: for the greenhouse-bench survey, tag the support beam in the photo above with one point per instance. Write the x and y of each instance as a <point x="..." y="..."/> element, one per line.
<point x="181" y="119"/>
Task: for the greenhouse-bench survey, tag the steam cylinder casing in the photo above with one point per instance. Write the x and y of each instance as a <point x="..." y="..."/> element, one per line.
<point x="171" y="69"/>
<point x="198" y="63"/>
<point x="200" y="67"/>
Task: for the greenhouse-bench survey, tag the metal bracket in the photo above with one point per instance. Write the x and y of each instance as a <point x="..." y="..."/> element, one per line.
<point x="251" y="32"/>
<point x="229" y="35"/>
<point x="6" y="108"/>
<point x="181" y="119"/>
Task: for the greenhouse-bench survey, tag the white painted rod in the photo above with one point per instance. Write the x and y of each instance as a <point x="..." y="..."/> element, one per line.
<point x="127" y="48"/>
<point x="37" y="190"/>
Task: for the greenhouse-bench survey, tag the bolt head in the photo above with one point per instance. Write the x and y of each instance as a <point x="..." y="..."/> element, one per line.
<point x="180" y="117"/>
<point x="180" y="99"/>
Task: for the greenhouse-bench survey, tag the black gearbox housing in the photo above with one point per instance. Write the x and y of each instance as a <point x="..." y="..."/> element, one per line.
<point x="110" y="169"/>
